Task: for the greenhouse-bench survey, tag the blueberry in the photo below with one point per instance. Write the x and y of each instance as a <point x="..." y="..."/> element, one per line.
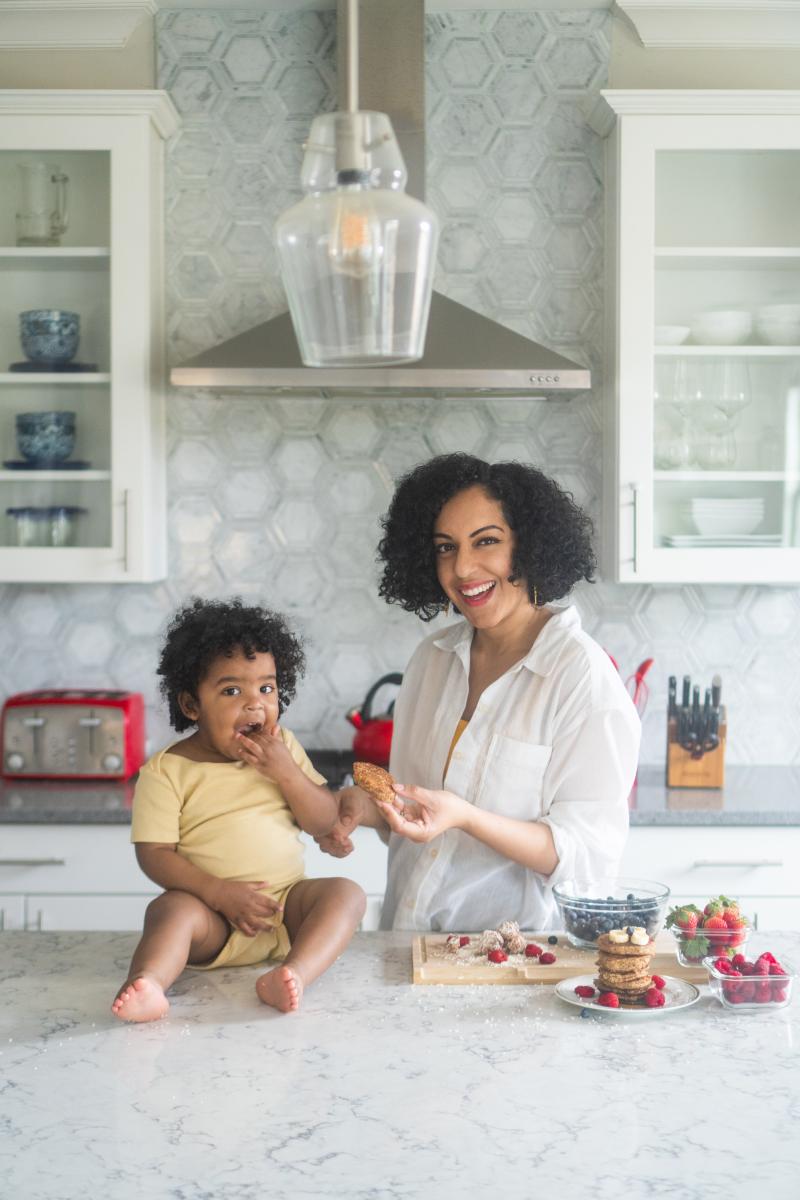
<point x="585" y="1012"/>
<point x="553" y="940"/>
<point x="630" y="896"/>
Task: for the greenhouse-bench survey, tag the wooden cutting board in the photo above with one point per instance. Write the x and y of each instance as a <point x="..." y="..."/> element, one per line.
<point x="430" y="965"/>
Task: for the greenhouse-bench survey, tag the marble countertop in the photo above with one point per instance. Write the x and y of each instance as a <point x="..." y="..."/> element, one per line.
<point x="380" y="1089"/>
<point x="753" y="795"/>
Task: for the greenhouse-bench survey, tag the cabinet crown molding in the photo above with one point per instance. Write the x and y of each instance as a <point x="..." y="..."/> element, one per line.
<point x="701" y="102"/>
<point x="95" y="102"/>
<point x="717" y="24"/>
<point x="71" y="24"/>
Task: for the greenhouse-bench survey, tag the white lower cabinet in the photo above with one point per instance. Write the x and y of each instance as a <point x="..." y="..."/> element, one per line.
<point x="86" y="877"/>
<point x="759" y="865"/>
<point x="71" y="877"/>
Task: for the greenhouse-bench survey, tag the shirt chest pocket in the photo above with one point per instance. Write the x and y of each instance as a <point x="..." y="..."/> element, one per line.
<point x="512" y="778"/>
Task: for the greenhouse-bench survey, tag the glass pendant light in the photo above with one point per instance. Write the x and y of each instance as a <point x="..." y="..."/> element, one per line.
<point x="357" y="254"/>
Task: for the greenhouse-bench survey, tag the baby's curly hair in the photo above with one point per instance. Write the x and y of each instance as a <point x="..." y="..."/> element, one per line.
<point x="553" y="536"/>
<point x="206" y="629"/>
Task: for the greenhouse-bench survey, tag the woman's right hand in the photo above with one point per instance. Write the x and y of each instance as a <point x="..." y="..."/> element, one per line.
<point x="353" y="807"/>
<point x="246" y="906"/>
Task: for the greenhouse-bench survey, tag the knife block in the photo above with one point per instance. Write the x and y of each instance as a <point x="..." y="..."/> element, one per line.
<point x="683" y="771"/>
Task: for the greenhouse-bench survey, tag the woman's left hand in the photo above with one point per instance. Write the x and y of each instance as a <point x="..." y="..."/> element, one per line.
<point x="421" y="815"/>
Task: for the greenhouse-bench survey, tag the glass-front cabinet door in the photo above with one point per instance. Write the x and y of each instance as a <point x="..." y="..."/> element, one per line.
<point x="81" y="333"/>
<point x="703" y="469"/>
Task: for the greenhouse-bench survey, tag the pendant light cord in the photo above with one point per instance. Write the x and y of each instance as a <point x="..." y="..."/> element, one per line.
<point x="352" y="56"/>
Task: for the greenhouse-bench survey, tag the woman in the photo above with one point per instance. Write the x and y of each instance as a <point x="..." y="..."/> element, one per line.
<point x="515" y="741"/>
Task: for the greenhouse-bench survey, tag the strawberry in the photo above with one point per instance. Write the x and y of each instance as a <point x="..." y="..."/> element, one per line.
<point x="714" y="907"/>
<point x="685" y="916"/>
<point x="714" y="922"/>
<point x="609" y="1000"/>
<point x="497" y="956"/>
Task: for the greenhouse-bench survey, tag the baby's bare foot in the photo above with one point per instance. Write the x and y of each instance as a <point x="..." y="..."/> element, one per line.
<point x="281" y="988"/>
<point x="140" y="999"/>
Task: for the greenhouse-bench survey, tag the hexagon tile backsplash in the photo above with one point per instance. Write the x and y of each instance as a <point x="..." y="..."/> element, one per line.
<point x="280" y="499"/>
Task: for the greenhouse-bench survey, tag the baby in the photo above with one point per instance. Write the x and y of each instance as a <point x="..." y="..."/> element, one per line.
<point x="217" y="817"/>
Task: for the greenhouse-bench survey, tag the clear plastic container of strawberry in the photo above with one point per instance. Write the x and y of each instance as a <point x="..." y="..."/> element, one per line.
<point x="718" y="929"/>
<point x="760" y="984"/>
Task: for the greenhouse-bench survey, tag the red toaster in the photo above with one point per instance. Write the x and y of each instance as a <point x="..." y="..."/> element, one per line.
<point x="73" y="734"/>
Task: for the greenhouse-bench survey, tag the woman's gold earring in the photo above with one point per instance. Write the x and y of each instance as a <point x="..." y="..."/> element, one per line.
<point x="447" y="609"/>
<point x="535" y="597"/>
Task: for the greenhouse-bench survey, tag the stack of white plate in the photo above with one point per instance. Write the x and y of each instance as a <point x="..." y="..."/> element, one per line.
<point x="733" y="517"/>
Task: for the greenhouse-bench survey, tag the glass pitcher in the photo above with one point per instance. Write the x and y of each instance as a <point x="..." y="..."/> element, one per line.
<point x="42" y="215"/>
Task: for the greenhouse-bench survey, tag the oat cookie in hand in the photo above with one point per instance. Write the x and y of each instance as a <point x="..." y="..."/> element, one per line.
<point x="375" y="781"/>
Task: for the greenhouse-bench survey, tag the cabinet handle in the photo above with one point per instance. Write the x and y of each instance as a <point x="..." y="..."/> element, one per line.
<point x="635" y="507"/>
<point x="737" y="862"/>
<point x="32" y="862"/>
<point x="125" y="508"/>
<point x="2" y="919"/>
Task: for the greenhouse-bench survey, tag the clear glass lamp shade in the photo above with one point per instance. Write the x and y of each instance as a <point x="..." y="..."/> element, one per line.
<point x="357" y="254"/>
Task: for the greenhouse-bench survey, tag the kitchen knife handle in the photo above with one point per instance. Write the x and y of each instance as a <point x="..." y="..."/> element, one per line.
<point x="687" y="691"/>
<point x="736" y="862"/>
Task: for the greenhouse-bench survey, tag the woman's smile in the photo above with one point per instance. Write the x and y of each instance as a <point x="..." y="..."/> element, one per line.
<point x="477" y="594"/>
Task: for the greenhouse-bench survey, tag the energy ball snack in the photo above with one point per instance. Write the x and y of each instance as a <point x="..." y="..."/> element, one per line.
<point x="375" y="781"/>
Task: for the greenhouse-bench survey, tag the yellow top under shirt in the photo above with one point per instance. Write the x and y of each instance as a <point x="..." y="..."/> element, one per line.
<point x="460" y="727"/>
<point x="225" y="818"/>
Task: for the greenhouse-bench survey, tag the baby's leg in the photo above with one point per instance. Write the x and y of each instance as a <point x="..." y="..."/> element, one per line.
<point x="178" y="928"/>
<point x="321" y="915"/>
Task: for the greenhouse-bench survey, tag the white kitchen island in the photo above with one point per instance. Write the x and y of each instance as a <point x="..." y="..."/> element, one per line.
<point x="378" y="1088"/>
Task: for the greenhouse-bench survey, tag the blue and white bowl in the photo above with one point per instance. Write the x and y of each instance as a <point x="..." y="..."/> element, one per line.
<point x="45" y="438"/>
<point x="49" y="335"/>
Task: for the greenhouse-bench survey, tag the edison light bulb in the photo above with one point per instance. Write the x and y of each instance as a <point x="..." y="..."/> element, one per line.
<point x="357" y="254"/>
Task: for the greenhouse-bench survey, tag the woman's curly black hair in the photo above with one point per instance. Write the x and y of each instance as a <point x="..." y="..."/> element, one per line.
<point x="552" y="535"/>
<point x="206" y="629"/>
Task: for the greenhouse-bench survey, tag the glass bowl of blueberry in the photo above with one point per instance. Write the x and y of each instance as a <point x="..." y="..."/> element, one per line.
<point x="590" y="908"/>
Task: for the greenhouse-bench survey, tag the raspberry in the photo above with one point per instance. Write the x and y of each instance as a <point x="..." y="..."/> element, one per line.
<point x="738" y="959"/>
<point x="747" y="991"/>
<point x="723" y="965"/>
<point x="769" y="957"/>
<point x="497" y="956"/>
<point x="584" y="990"/>
<point x="763" y="992"/>
<point x="463" y="941"/>
<point x="658" y="982"/>
<point x="747" y="968"/>
<point x="761" y="967"/>
<point x="532" y="950"/>
<point x="546" y="959"/>
<point x="776" y="969"/>
<point x="779" y="994"/>
<point x="655" y="998"/>
<point x="609" y="1000"/>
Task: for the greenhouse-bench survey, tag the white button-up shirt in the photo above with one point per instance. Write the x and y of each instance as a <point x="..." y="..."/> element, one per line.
<point x="555" y="739"/>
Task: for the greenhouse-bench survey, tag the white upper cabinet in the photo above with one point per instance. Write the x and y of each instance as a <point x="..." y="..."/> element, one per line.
<point x="703" y="417"/>
<point x="82" y="495"/>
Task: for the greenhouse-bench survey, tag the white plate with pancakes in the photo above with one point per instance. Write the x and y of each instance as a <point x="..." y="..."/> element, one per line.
<point x="678" y="993"/>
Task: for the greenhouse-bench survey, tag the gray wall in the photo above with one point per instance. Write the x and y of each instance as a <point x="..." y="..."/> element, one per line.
<point x="279" y="499"/>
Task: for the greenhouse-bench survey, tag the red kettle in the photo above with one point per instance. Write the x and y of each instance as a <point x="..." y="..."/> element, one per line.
<point x="373" y="739"/>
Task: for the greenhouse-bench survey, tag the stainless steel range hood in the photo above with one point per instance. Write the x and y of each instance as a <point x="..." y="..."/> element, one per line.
<point x="464" y="351"/>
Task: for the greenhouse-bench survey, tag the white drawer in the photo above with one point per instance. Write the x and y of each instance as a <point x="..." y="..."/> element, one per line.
<point x="12" y="912"/>
<point x="69" y="858"/>
<point x="118" y="913"/>
<point x="700" y="862"/>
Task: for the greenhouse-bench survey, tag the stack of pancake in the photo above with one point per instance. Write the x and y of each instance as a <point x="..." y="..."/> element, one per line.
<point x="624" y="968"/>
